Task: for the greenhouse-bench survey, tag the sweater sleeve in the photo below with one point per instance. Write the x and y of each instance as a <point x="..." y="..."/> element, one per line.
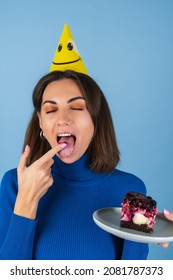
<point x="16" y="232"/>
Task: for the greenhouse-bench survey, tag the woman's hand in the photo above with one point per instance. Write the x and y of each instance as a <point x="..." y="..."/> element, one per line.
<point x="169" y="216"/>
<point x="33" y="182"/>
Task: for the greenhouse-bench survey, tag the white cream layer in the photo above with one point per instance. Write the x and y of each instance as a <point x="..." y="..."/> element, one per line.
<point x="140" y="219"/>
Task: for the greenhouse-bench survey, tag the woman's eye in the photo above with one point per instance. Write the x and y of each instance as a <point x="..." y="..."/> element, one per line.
<point x="78" y="109"/>
<point x="51" y="111"/>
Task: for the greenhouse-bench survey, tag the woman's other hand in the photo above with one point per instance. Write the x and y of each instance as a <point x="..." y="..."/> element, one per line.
<point x="169" y="216"/>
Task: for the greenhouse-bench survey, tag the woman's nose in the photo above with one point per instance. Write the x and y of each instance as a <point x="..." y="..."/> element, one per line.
<point x="63" y="118"/>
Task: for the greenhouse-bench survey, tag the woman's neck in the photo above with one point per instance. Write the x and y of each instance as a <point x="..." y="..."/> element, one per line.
<point x="78" y="171"/>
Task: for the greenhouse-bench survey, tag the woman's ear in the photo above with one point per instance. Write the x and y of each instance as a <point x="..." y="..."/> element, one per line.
<point x="39" y="119"/>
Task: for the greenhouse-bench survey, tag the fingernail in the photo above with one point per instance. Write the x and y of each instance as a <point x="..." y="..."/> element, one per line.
<point x="63" y="145"/>
<point x="165" y="245"/>
<point x="26" y="148"/>
<point x="166" y="212"/>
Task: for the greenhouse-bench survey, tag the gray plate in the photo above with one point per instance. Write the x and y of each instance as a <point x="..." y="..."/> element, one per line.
<point x="109" y="220"/>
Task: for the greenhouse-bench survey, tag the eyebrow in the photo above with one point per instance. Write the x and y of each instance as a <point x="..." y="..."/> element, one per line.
<point x="49" y="101"/>
<point x="75" y="98"/>
<point x="68" y="101"/>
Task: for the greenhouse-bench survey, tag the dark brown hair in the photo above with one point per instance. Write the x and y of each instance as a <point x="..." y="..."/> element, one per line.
<point x="103" y="150"/>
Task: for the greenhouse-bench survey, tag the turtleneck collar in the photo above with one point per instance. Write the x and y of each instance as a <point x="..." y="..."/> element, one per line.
<point x="78" y="171"/>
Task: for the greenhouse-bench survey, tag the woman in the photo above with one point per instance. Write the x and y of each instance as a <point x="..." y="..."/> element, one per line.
<point x="66" y="172"/>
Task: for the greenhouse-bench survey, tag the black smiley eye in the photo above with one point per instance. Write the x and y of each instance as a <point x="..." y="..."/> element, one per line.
<point x="70" y="46"/>
<point x="59" y="48"/>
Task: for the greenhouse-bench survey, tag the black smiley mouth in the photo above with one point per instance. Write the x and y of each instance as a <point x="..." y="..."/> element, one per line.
<point x="69" y="62"/>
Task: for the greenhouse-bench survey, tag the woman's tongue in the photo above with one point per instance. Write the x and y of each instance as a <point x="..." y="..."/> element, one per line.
<point x="68" y="150"/>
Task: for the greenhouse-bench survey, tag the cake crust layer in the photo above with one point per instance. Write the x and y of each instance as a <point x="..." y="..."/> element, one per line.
<point x="131" y="225"/>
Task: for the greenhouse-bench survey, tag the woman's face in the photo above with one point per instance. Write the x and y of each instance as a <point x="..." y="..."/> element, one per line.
<point x="64" y="118"/>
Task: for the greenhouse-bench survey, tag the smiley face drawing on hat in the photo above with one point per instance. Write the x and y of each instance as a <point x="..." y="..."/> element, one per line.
<point x="67" y="56"/>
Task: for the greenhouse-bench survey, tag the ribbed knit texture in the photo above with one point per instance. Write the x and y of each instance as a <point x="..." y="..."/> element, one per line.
<point x="64" y="228"/>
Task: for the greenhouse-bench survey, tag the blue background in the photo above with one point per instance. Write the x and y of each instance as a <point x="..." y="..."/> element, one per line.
<point x="127" y="47"/>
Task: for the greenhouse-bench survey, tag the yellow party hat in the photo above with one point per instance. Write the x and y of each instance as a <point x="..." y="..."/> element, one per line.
<point x="67" y="56"/>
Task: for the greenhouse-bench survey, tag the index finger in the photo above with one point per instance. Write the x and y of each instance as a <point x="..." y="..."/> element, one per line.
<point x="50" y="154"/>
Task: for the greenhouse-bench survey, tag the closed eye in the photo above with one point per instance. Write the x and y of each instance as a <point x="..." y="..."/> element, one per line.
<point x="51" y="111"/>
<point x="78" y="109"/>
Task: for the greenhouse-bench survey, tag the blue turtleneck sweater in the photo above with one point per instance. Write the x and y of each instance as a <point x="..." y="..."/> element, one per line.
<point x="64" y="228"/>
